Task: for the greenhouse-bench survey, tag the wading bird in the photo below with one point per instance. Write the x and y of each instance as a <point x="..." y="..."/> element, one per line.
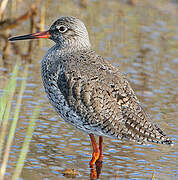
<point x="88" y="92"/>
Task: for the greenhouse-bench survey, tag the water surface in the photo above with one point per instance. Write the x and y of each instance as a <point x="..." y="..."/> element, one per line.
<point x="142" y="41"/>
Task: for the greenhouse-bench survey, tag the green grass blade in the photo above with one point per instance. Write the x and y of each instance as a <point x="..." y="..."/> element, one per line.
<point x="6" y="103"/>
<point x="26" y="143"/>
<point x="8" y="91"/>
<point x="13" y="125"/>
<point x="3" y="104"/>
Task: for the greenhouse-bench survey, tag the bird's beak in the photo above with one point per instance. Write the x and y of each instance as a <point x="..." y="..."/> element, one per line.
<point x="44" y="34"/>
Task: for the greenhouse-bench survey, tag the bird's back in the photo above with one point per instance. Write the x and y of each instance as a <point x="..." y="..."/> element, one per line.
<point x="101" y="99"/>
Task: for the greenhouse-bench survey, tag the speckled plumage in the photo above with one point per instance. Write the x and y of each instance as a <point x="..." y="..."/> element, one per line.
<point x="90" y="93"/>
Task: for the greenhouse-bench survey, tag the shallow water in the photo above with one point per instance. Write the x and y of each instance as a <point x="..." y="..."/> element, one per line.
<point x="142" y="41"/>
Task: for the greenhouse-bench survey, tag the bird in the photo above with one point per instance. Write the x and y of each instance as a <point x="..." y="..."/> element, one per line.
<point x="90" y="93"/>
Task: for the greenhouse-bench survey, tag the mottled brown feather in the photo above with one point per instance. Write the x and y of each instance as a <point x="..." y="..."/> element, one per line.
<point x="102" y="96"/>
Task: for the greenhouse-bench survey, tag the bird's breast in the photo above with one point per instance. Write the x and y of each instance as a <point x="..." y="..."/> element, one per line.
<point x="51" y="73"/>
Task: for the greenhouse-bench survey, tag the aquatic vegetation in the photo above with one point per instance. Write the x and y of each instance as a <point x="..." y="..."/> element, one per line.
<point x="8" y="126"/>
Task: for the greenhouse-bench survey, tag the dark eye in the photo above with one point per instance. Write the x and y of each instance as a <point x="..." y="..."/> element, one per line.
<point x="62" y="28"/>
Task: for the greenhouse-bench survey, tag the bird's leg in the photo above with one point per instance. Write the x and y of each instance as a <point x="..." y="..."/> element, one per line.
<point x="99" y="160"/>
<point x="96" y="152"/>
<point x="100" y="148"/>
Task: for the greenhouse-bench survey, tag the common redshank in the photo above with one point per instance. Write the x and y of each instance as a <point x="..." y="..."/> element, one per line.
<point x="88" y="92"/>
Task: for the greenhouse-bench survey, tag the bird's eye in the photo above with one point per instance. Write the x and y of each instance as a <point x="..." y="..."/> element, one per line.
<point x="62" y="28"/>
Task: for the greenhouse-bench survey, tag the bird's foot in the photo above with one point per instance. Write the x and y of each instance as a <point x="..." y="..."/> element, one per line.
<point x="95" y="172"/>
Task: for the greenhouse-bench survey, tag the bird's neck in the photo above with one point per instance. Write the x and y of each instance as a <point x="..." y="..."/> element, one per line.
<point x="73" y="46"/>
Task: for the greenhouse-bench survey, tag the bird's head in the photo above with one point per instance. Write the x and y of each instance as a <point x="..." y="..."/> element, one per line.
<point x="65" y="32"/>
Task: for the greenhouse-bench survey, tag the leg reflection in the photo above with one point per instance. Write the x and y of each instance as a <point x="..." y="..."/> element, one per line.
<point x="95" y="171"/>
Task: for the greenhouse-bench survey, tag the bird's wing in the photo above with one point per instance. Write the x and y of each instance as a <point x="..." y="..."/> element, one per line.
<point x="108" y="104"/>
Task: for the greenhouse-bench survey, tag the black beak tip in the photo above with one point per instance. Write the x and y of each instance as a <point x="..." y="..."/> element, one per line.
<point x="24" y="37"/>
<point x="11" y="39"/>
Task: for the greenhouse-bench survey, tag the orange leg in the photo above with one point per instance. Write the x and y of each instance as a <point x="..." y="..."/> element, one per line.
<point x="96" y="152"/>
<point x="101" y="148"/>
<point x="99" y="160"/>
